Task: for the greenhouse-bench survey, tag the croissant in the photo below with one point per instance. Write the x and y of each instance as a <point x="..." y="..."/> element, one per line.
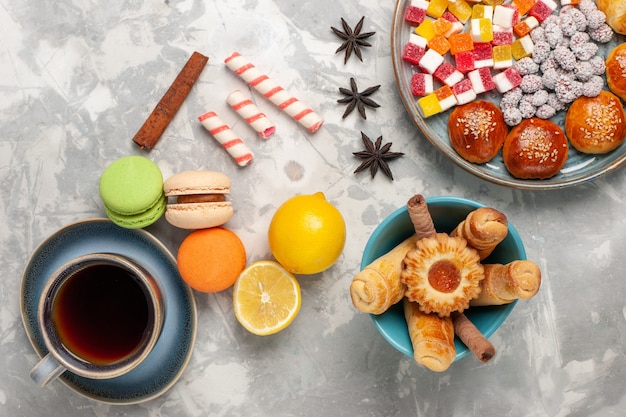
<point x="483" y="228"/>
<point x="505" y="283"/>
<point x="377" y="287"/>
<point x="432" y="337"/>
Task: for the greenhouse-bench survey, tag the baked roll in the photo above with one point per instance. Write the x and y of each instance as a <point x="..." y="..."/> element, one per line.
<point x="477" y="131"/>
<point x="615" y="11"/>
<point x="616" y="70"/>
<point x="504" y="284"/>
<point x="442" y="274"/>
<point x="596" y="125"/>
<point x="535" y="149"/>
<point x="432" y="337"/>
<point x="483" y="228"/>
<point x="378" y="286"/>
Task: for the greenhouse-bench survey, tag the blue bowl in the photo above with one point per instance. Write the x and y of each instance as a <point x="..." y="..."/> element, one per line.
<point x="447" y="213"/>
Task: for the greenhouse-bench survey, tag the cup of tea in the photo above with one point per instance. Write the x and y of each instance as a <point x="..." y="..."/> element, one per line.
<point x="100" y="316"/>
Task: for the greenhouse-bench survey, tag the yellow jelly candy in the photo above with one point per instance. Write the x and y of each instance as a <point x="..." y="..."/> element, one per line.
<point x="429" y="105"/>
<point x="481" y="30"/>
<point x="460" y="9"/>
<point x="426" y="29"/>
<point x="436" y="8"/>
<point x="522" y="47"/>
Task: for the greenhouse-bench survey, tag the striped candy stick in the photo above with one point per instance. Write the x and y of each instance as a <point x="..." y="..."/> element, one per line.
<point x="251" y="114"/>
<point x="273" y="92"/>
<point x="227" y="138"/>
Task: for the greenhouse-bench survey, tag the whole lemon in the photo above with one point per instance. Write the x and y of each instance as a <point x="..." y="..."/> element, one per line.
<point x="307" y="234"/>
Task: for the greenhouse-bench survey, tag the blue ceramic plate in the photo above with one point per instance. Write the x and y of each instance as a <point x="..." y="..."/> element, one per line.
<point x="579" y="167"/>
<point x="447" y="212"/>
<point x="165" y="364"/>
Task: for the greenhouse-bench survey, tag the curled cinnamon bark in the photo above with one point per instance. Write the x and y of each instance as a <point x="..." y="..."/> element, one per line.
<point x="420" y="217"/>
<point x="152" y="129"/>
<point x="475" y="341"/>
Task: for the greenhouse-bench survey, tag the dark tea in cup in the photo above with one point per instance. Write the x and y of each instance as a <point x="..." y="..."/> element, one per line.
<point x="100" y="315"/>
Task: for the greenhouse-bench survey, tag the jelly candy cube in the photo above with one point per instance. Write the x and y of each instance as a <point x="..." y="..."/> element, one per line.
<point x="524" y="6"/>
<point x="481" y="11"/>
<point x="426" y="29"/>
<point x="542" y="9"/>
<point x="483" y="55"/>
<point x="442" y="26"/>
<point x="464" y="61"/>
<point x="507" y="80"/>
<point x="505" y="16"/>
<point x="430" y="61"/>
<point x="448" y="74"/>
<point x="414" y="49"/>
<point x="436" y="8"/>
<point x="502" y="56"/>
<point x="524" y="27"/>
<point x="429" y="105"/>
<point x="481" y="80"/>
<point x="481" y="30"/>
<point x="464" y="92"/>
<point x="414" y="15"/>
<point x="461" y="42"/>
<point x="522" y="47"/>
<point x="422" y="84"/>
<point x="502" y="36"/>
<point x="446" y="97"/>
<point x="460" y="9"/>
<point x="440" y="44"/>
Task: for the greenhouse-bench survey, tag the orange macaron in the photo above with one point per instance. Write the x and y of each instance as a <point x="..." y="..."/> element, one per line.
<point x="210" y="260"/>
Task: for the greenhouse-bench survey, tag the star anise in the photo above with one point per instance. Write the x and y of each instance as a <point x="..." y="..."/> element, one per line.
<point x="359" y="100"/>
<point x="376" y="156"/>
<point x="353" y="39"/>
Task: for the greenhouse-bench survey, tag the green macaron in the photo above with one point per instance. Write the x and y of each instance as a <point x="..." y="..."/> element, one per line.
<point x="131" y="189"/>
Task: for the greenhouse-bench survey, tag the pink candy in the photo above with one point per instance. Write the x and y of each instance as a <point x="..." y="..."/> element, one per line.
<point x="507" y="80"/>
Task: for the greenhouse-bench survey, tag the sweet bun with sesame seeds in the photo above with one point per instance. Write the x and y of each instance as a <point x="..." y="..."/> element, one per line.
<point x="596" y="125"/>
<point x="477" y="131"/>
<point x="616" y="70"/>
<point x="535" y="149"/>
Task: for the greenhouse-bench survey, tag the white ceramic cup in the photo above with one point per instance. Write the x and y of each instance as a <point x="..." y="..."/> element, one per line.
<point x="100" y="315"/>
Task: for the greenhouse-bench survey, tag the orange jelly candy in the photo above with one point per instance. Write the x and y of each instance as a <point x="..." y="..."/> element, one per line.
<point x="523" y="6"/>
<point x="440" y="44"/>
<point x="461" y="42"/>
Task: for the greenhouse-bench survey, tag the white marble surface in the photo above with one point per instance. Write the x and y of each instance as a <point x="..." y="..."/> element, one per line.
<point x="79" y="77"/>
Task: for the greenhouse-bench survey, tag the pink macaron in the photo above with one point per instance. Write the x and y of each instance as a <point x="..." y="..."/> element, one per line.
<point x="197" y="199"/>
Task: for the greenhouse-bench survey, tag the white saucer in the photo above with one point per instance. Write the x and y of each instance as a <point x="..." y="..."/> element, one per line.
<point x="165" y="364"/>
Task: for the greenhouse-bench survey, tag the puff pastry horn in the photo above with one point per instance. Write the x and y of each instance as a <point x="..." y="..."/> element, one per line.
<point x="503" y="284"/>
<point x="378" y="286"/>
<point x="432" y="337"/>
<point x="483" y="228"/>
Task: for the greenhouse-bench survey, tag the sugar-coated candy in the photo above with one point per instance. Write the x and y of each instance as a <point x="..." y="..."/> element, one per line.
<point x="456" y="26"/>
<point x="505" y="16"/>
<point x="583" y="71"/>
<point x="430" y="61"/>
<point x="461" y="42"/>
<point x="542" y="9"/>
<point x="502" y="57"/>
<point x="426" y="29"/>
<point x="539" y="98"/>
<point x="446" y="97"/>
<point x="545" y="111"/>
<point x="482" y="11"/>
<point x="526" y="107"/>
<point x="603" y="34"/>
<point x="481" y="80"/>
<point x="565" y="57"/>
<point x="460" y="9"/>
<point x="436" y="8"/>
<point x="481" y="29"/>
<point x="527" y="66"/>
<point x="522" y="47"/>
<point x="422" y="84"/>
<point x="507" y="80"/>
<point x="541" y="52"/>
<point x="531" y="83"/>
<point x="416" y="12"/>
<point x="464" y="92"/>
<point x="440" y="44"/>
<point x="511" y="98"/>
<point x="512" y="116"/>
<point x="429" y="105"/>
<point x="598" y="64"/>
<point x="448" y="74"/>
<point x="524" y="6"/>
<point x="595" y="19"/>
<point x="464" y="61"/>
<point x="553" y="33"/>
<point x="593" y="87"/>
<point x="502" y="36"/>
<point x="414" y="49"/>
<point x="586" y="51"/>
<point x="524" y="27"/>
<point x="568" y="90"/>
<point x="483" y="55"/>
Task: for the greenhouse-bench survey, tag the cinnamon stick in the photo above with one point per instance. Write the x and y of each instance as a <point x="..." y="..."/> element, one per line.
<point x="420" y="217"/>
<point x="166" y="108"/>
<point x="475" y="341"/>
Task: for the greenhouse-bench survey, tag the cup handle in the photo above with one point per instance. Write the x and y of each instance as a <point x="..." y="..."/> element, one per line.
<point x="46" y="370"/>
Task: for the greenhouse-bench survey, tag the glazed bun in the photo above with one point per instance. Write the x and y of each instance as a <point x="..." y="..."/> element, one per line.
<point x="535" y="149"/>
<point x="596" y="124"/>
<point x="477" y="131"/>
<point x="615" y="11"/>
<point x="616" y="70"/>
